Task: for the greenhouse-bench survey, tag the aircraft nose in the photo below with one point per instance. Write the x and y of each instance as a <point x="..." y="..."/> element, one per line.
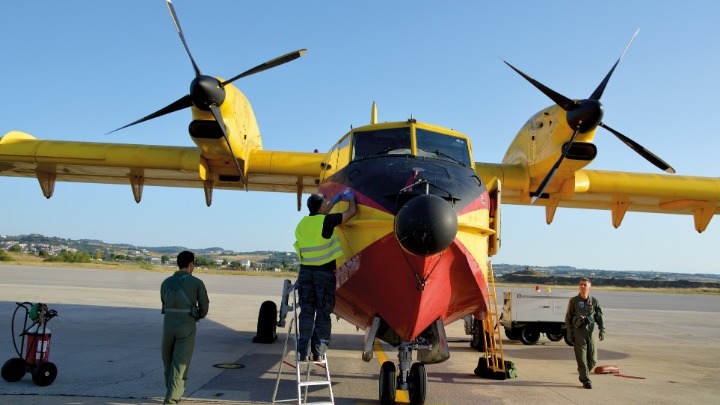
<point x="426" y="225"/>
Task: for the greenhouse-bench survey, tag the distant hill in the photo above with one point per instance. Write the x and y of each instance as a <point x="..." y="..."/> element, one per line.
<point x="529" y="276"/>
<point x="510" y="273"/>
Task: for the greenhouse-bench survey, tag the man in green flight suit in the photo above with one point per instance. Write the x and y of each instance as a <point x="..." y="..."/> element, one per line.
<point x="184" y="302"/>
<point x="582" y="314"/>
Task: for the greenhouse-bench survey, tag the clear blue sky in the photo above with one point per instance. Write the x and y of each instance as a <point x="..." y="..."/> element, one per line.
<point x="76" y="70"/>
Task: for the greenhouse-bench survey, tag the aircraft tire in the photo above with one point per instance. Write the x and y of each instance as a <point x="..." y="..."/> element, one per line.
<point x="387" y="383"/>
<point x="555" y="337"/>
<point x="13" y="370"/>
<point x="418" y="378"/>
<point x="266" y="324"/>
<point x="529" y="335"/>
<point x="476" y="339"/>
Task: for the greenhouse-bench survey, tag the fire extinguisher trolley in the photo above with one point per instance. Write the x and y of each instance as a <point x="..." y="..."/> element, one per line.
<point x="34" y="350"/>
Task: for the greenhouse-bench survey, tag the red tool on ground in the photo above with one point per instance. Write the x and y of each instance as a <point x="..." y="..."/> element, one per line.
<point x="614" y="370"/>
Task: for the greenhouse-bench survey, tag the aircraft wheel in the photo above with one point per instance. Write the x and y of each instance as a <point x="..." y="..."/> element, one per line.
<point x="512" y="334"/>
<point x="13" y="369"/>
<point x="266" y="324"/>
<point x="529" y="335"/>
<point x="554" y="337"/>
<point x="418" y="379"/>
<point x="388" y="383"/>
<point x="476" y="340"/>
<point x="44" y="374"/>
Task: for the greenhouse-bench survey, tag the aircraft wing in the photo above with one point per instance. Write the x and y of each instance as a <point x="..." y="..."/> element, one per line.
<point x="22" y="155"/>
<point x="617" y="192"/>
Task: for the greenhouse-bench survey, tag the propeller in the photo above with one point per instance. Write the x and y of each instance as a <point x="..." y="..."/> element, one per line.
<point x="586" y="115"/>
<point x="206" y="92"/>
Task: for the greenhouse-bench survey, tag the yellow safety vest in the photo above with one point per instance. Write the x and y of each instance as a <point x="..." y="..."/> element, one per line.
<point x="311" y="247"/>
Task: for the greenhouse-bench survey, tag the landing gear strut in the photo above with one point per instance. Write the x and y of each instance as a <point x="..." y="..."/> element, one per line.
<point x="431" y="347"/>
<point x="410" y="377"/>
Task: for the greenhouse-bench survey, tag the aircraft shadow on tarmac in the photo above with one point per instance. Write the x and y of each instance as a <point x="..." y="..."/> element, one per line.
<point x="115" y="352"/>
<point x="103" y="351"/>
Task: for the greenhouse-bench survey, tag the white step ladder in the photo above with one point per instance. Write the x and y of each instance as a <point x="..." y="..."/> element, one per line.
<point x="301" y="379"/>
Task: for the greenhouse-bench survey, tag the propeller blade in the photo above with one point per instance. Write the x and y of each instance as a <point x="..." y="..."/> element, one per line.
<point x="564" y="102"/>
<point x="268" y="65"/>
<point x="601" y="87"/>
<point x="176" y="21"/>
<point x="183" y="102"/>
<point x="649" y="156"/>
<point x="550" y="174"/>
<point x="218" y="117"/>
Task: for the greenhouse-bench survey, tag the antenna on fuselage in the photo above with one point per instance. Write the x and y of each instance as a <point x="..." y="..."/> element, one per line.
<point x="373" y="114"/>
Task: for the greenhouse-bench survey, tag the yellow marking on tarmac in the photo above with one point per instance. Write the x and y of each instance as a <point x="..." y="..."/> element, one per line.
<point x="400" y="395"/>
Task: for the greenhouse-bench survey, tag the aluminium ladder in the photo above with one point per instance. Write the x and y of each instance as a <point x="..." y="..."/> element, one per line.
<point x="302" y="380"/>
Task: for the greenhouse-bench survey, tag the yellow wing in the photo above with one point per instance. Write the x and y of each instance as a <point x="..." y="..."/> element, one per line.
<point x="22" y="155"/>
<point x="617" y="192"/>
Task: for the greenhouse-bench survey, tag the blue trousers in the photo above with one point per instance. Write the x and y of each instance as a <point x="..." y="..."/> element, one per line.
<point x="316" y="295"/>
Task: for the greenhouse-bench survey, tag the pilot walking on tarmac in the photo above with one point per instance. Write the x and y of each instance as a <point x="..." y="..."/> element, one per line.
<point x="184" y="302"/>
<point x="318" y="246"/>
<point x="583" y="312"/>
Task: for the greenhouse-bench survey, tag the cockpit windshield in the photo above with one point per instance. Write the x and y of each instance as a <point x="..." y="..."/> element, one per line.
<point x="395" y="141"/>
<point x="435" y="145"/>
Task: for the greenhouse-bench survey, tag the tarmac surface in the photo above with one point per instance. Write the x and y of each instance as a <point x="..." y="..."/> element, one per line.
<point x="106" y="346"/>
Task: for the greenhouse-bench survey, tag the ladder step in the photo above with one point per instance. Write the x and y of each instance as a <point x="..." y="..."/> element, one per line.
<point x="319" y="403"/>
<point x="313" y="383"/>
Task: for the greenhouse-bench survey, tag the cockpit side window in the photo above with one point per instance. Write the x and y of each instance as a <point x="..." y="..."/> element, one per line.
<point x="440" y="146"/>
<point x="394" y="141"/>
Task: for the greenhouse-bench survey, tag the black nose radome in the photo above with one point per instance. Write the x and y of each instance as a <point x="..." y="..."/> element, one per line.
<point x="426" y="225"/>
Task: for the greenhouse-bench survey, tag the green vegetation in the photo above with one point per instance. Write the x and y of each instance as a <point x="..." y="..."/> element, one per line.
<point x="4" y="256"/>
<point x="70" y="257"/>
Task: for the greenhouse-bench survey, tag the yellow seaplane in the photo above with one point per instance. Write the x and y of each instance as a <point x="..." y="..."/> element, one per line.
<point x="417" y="253"/>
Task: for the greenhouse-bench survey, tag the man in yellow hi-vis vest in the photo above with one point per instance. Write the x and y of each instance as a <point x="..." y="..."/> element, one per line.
<point x="318" y="246"/>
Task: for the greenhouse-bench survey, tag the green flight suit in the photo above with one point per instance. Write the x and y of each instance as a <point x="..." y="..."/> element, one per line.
<point x="184" y="302"/>
<point x="580" y="319"/>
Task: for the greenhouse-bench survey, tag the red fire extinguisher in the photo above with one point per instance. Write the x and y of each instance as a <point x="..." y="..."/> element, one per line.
<point x="37" y="339"/>
<point x="34" y="349"/>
